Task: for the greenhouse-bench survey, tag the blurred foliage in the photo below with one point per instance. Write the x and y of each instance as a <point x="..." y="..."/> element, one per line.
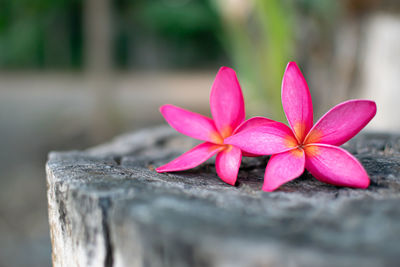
<point x="40" y="33"/>
<point x="167" y="33"/>
<point x="262" y="36"/>
<point x="157" y="33"/>
<point x="260" y="39"/>
<point x="258" y="36"/>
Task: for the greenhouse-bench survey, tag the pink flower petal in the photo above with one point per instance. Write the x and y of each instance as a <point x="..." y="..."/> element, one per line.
<point x="226" y="102"/>
<point x="192" y="158"/>
<point x="334" y="165"/>
<point x="296" y="101"/>
<point x="283" y="168"/>
<point x="227" y="164"/>
<point x="342" y="122"/>
<point x="252" y="122"/>
<point x="191" y="124"/>
<point x="271" y="138"/>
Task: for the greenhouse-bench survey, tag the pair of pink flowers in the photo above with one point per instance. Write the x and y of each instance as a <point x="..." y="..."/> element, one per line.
<point x="302" y="146"/>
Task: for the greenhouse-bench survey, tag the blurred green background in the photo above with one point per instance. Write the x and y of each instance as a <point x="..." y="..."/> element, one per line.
<point x="76" y="73"/>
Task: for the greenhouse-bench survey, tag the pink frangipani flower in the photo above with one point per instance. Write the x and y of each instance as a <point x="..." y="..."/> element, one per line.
<point x="228" y="112"/>
<point x="304" y="145"/>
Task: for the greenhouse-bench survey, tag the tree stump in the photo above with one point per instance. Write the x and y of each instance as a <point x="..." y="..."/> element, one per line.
<point x="108" y="207"/>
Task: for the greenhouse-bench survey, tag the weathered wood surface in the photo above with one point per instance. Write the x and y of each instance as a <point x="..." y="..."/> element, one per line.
<point x="108" y="207"/>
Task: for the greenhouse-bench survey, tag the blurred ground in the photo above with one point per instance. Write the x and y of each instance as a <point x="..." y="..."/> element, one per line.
<point x="40" y="112"/>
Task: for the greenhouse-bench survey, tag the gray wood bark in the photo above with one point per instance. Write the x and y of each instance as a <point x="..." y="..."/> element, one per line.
<point x="108" y="207"/>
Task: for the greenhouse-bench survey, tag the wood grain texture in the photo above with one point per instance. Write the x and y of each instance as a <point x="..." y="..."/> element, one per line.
<point x="108" y="207"/>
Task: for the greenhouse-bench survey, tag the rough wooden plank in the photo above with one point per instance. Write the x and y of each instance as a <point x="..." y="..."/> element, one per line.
<point x="108" y="207"/>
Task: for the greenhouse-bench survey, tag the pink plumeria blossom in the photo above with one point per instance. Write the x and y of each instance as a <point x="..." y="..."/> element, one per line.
<point x="228" y="112"/>
<point x="315" y="148"/>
